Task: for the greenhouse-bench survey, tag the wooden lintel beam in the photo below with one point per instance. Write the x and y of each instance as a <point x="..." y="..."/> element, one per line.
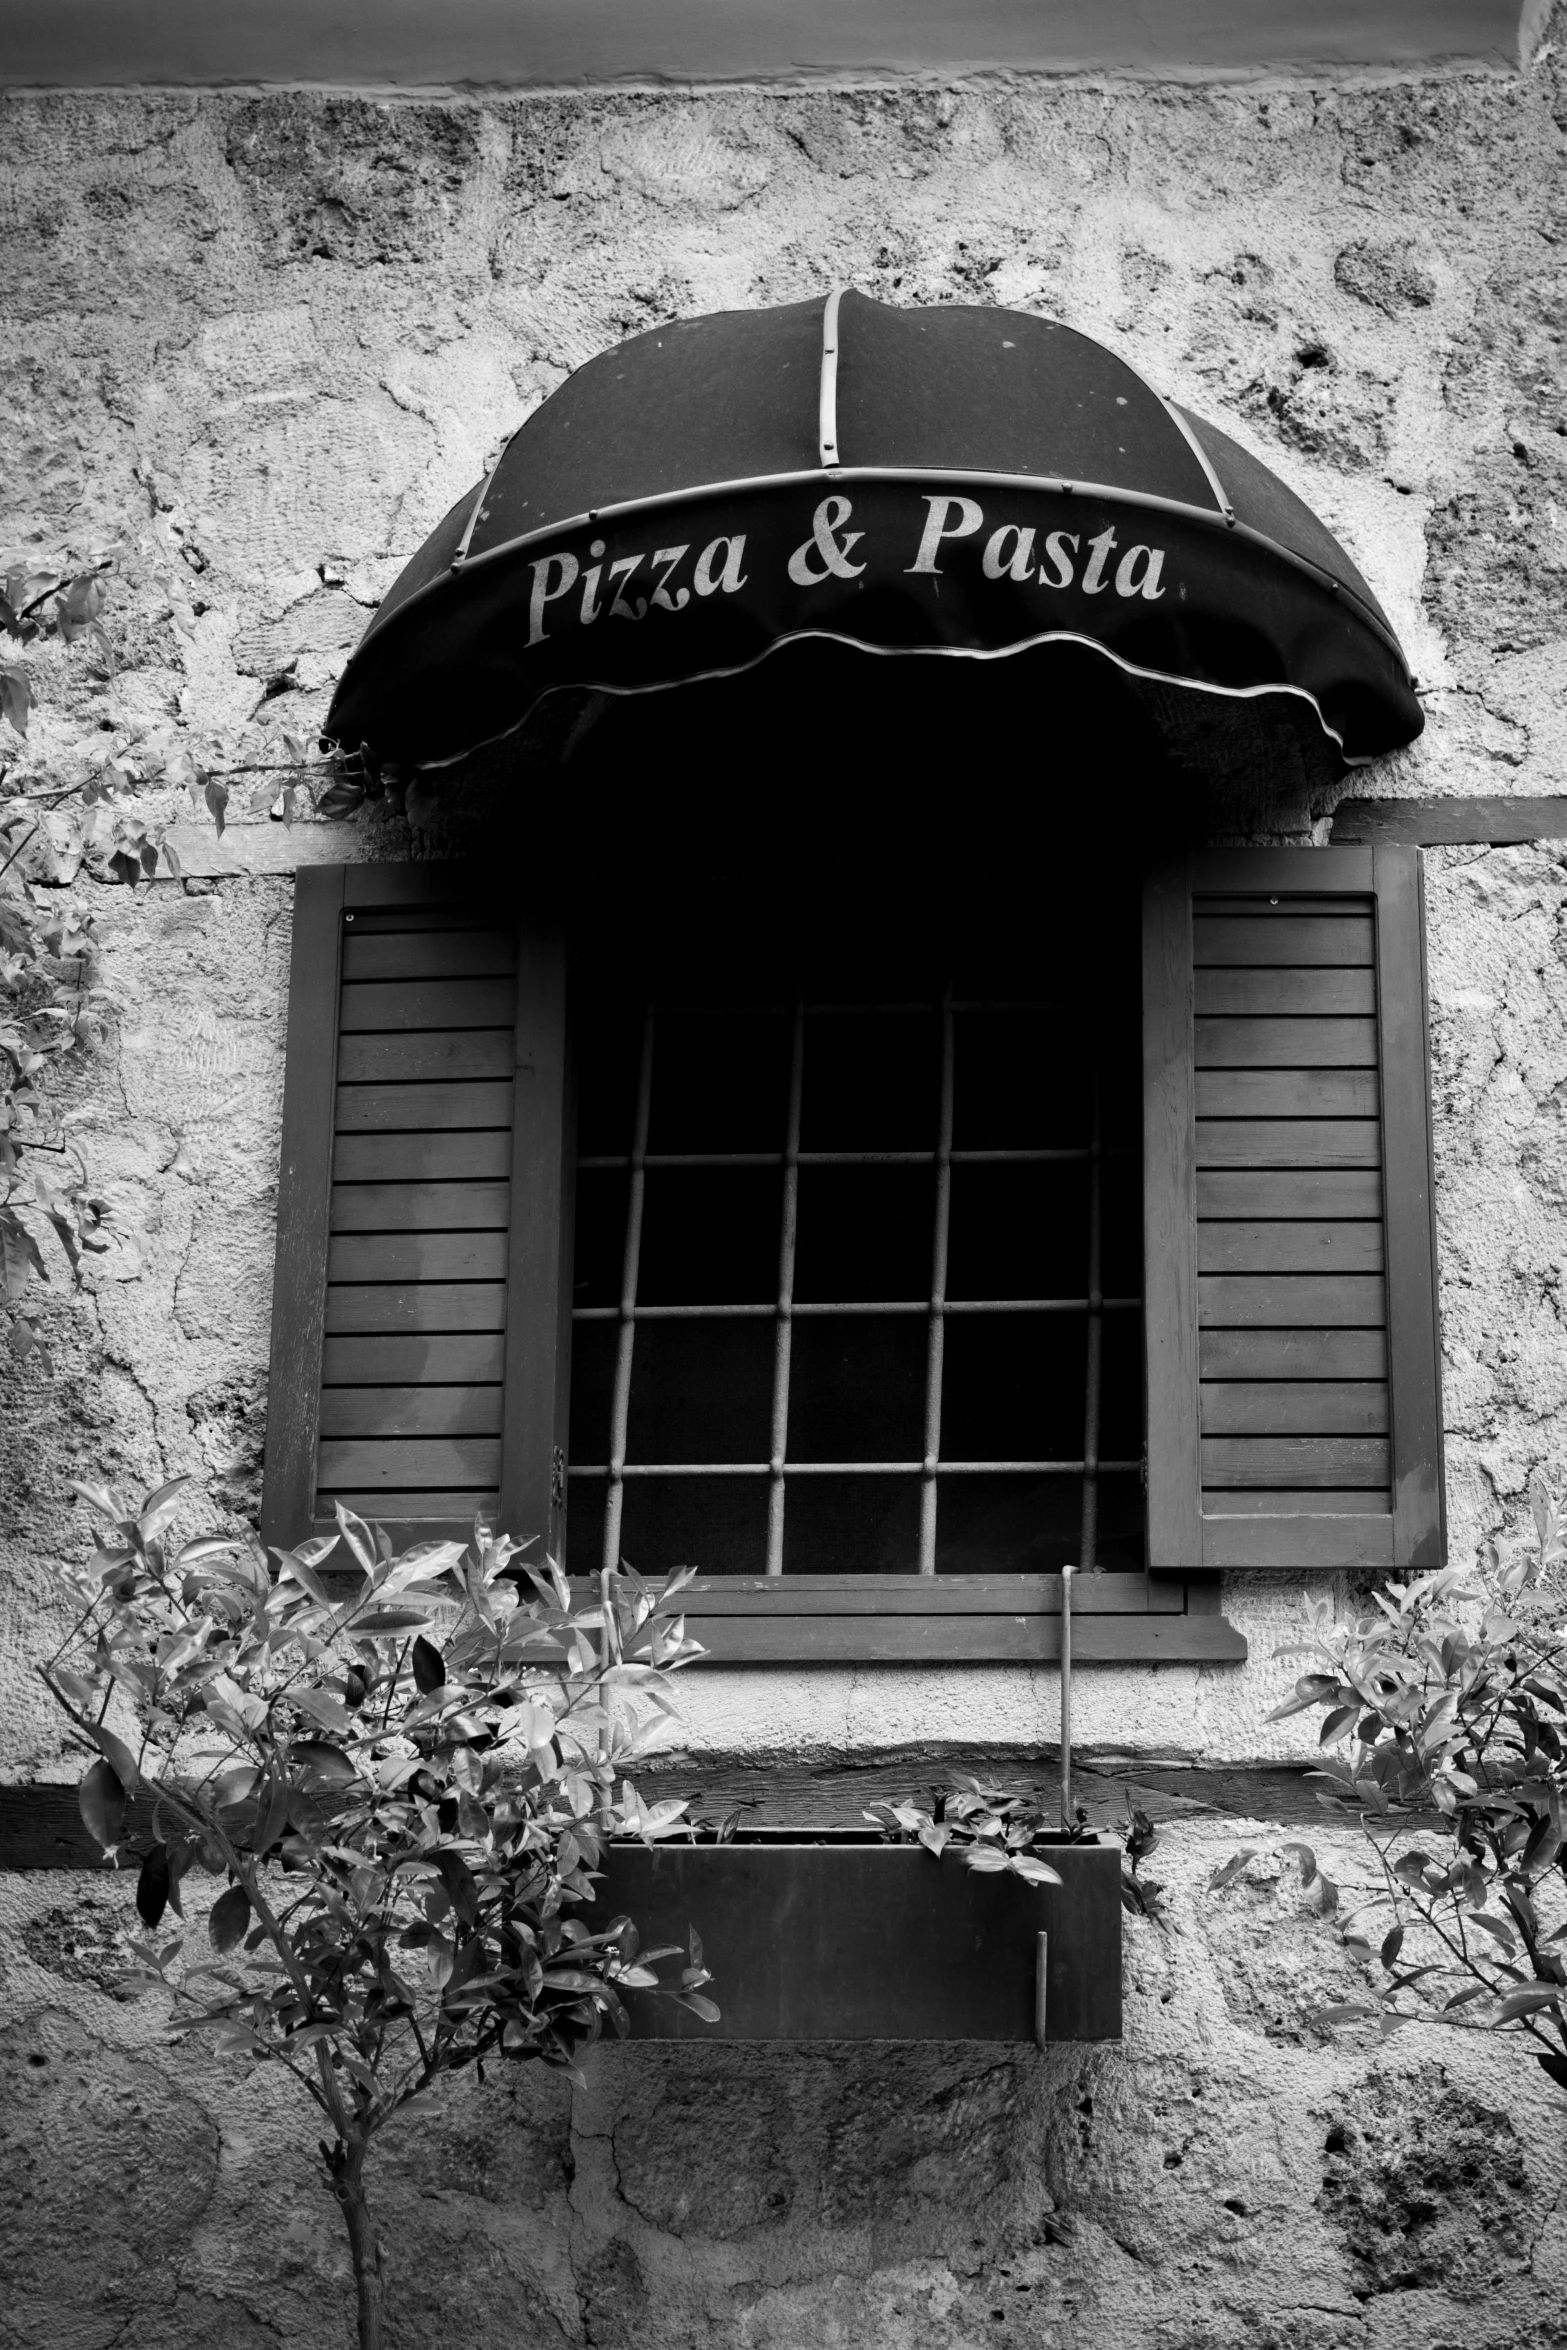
<point x="1438" y="823"/>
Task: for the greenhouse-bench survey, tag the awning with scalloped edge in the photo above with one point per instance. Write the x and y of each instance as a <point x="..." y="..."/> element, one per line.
<point x="932" y="481"/>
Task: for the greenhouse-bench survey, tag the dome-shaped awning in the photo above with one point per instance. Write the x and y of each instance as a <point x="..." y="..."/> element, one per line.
<point x="939" y="481"/>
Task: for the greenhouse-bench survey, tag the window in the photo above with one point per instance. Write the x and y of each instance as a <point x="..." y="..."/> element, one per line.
<point x="857" y="1281"/>
<point x="819" y="1267"/>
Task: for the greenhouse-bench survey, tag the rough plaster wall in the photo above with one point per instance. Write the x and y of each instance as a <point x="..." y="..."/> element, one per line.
<point x="1225" y="2180"/>
<point x="260" y="344"/>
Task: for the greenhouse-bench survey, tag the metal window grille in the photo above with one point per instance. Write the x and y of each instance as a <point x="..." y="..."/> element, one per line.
<point x="951" y="1023"/>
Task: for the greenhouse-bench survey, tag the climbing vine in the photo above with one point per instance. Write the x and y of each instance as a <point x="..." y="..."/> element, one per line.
<point x="53" y="1003"/>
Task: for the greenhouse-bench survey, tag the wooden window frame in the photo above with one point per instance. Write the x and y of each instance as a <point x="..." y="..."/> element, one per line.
<point x="1169" y="1613"/>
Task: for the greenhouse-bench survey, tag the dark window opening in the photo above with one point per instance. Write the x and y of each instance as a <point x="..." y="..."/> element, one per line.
<point x="857" y="1277"/>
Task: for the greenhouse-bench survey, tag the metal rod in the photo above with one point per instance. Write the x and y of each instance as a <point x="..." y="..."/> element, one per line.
<point x="1197" y="450"/>
<point x="827" y="401"/>
<point x="620" y="1409"/>
<point x="1041" y="1976"/>
<point x="996" y="1158"/>
<point x="480" y="502"/>
<point x="1093" y="1382"/>
<point x="842" y="1468"/>
<point x="817" y="1308"/>
<point x="936" y="1341"/>
<point x="1067" y="1820"/>
<point x="788" y="1234"/>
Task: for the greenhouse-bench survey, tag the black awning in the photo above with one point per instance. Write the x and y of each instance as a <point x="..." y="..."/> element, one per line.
<point x="940" y="481"/>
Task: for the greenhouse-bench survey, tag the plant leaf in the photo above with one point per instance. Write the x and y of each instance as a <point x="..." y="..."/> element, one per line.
<point x="160" y="1507"/>
<point x="153" y="1886"/>
<point x="229" y="1919"/>
<point x="1463" y="1997"/>
<point x="1033" y="1870"/>
<point x="101" y="1801"/>
<point x="117" y="1754"/>
<point x="429" y="1667"/>
<point x="318" y="1760"/>
<point x="1529" y="2001"/>
<point x="1308" y="1860"/>
<point x="1309" y="1691"/>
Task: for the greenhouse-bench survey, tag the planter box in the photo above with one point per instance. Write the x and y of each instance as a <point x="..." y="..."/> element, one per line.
<point x="835" y="1937"/>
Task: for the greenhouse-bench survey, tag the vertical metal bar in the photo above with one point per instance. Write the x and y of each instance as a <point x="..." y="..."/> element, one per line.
<point x="1088" y="1547"/>
<point x="784" y="1330"/>
<point x="1067" y="1821"/>
<point x="1041" y="1965"/>
<point x="936" y="1344"/>
<point x="620" y="1409"/>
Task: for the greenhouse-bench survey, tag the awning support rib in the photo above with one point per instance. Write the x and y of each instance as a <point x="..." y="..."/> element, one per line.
<point x="827" y="405"/>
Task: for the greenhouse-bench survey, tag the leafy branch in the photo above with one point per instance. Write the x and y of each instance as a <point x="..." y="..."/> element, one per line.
<point x="405" y="1773"/>
<point x="1450" y="1698"/>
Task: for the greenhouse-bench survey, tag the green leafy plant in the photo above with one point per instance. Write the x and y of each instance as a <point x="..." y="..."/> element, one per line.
<point x="1139" y="1894"/>
<point x="405" y="1776"/>
<point x="1449" y="1697"/>
<point x="1009" y="1831"/>
<point x="989" y="1828"/>
<point x="1002" y="1830"/>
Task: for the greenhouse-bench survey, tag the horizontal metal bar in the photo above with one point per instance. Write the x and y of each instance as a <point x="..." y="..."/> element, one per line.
<point x="924" y="1006"/>
<point x="813" y="1309"/>
<point x="1074" y="1155"/>
<point x="852" y="1468"/>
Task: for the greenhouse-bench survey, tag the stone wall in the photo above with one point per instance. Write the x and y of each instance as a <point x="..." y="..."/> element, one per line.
<point x="258" y="345"/>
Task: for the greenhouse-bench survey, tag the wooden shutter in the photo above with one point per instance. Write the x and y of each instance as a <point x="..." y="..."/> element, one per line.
<point x="421" y="1324"/>
<point x="1294" y="1404"/>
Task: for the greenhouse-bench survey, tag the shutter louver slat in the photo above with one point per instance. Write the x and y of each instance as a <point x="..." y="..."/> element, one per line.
<point x="1268" y="1142"/>
<point x="469" y="1408"/>
<point x="1304" y="1192"/>
<point x="425" y="1055"/>
<point x="1274" y="1042"/>
<point x="456" y="1157"/>
<point x="412" y="1394"/>
<point x="471" y="1465"/>
<point x="1292" y="1354"/>
<point x="1287" y="1093"/>
<point x="1287" y="1246"/>
<point x="1228" y="993"/>
<point x="394" y="1361"/>
<point x="1334" y="1407"/>
<point x="414" y="1306"/>
<point x="383" y="1109"/>
<point x="428" y="1206"/>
